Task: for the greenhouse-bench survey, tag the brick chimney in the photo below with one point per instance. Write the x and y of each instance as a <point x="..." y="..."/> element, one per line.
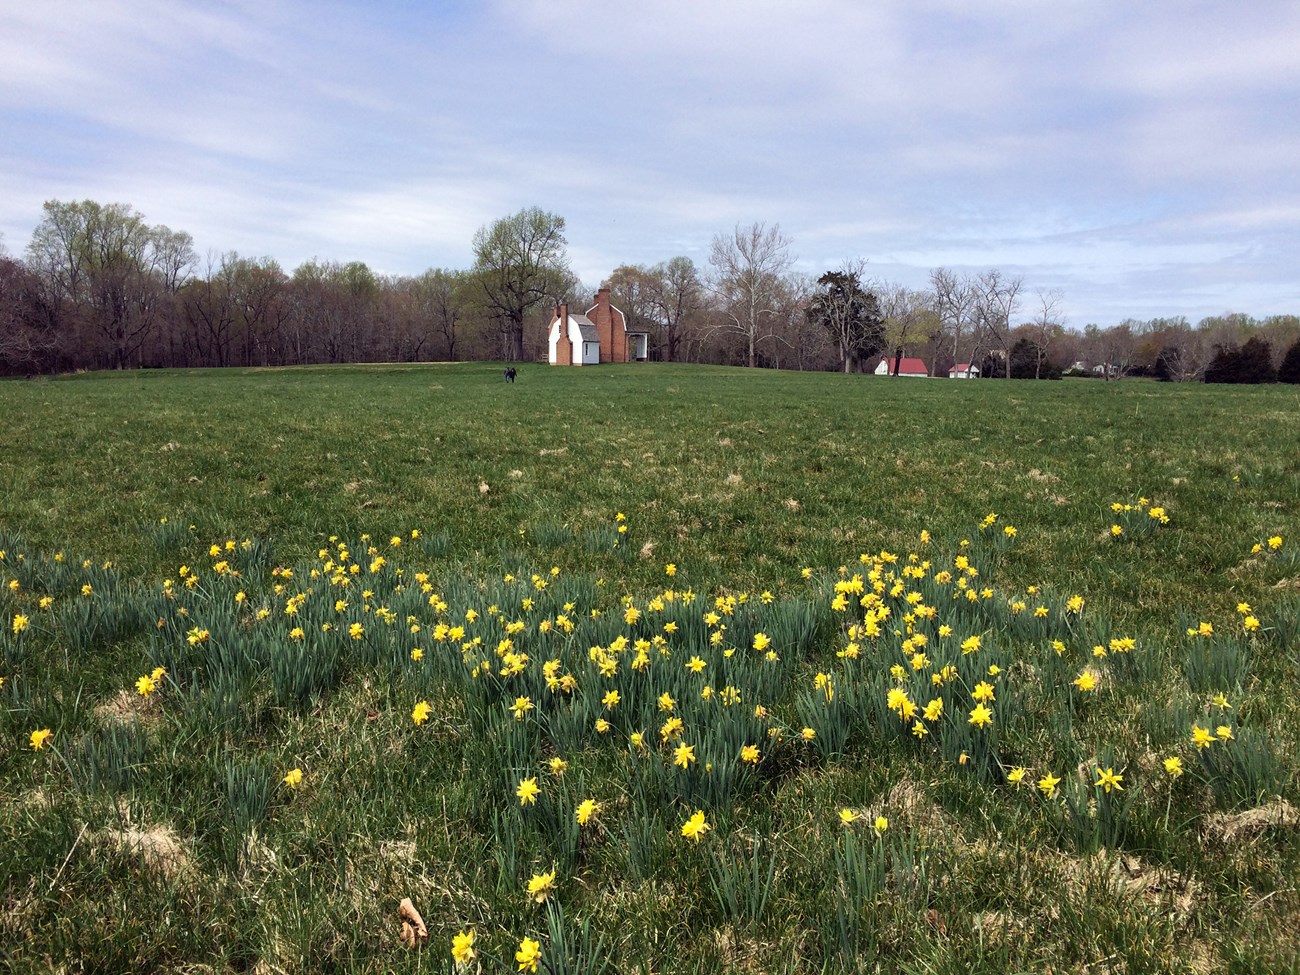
<point x="611" y="328"/>
<point x="563" y="347"/>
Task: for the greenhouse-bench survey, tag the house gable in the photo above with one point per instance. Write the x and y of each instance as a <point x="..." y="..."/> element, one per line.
<point x="572" y="340"/>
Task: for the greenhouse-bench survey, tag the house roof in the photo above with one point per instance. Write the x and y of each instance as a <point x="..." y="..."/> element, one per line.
<point x="585" y="327"/>
<point x="961" y="367"/>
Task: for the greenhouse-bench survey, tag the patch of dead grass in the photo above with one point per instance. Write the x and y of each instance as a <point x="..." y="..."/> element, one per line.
<point x="1229" y="827"/>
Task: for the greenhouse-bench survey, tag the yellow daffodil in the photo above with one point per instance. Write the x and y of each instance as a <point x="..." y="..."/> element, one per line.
<point x="541" y="886"/>
<point x="521" y="707"/>
<point x="1109" y="779"/>
<point x="529" y="955"/>
<point x="695" y="827"/>
<point x="462" y="947"/>
<point x="528" y="791"/>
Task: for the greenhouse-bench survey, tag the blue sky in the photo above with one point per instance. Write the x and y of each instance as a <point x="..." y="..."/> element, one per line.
<point x="1143" y="158"/>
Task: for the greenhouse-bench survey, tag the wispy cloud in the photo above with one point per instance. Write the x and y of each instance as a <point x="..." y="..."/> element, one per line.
<point x="1140" y="157"/>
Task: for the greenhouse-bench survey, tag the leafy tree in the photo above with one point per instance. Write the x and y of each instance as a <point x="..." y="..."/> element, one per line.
<point x="107" y="270"/>
<point x="1289" y="372"/>
<point x="851" y="315"/>
<point x="519" y="261"/>
<point x="909" y="317"/>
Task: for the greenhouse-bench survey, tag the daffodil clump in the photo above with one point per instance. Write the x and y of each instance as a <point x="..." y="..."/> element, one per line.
<point x="595" y="718"/>
<point x="1134" y="519"/>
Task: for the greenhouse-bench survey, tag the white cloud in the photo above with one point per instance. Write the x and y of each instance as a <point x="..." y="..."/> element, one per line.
<point x="1075" y="141"/>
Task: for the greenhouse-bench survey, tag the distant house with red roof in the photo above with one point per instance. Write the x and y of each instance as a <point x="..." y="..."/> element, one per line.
<point x="907" y="366"/>
<point x="964" y="370"/>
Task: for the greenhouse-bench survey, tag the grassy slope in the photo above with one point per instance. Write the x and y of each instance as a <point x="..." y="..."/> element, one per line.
<point x="299" y="454"/>
<point x="740" y="478"/>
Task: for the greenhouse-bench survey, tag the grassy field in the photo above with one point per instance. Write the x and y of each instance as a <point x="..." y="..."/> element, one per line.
<point x="808" y="672"/>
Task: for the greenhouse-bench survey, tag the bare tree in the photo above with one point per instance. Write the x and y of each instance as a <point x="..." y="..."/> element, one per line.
<point x="954" y="304"/>
<point x="208" y="306"/>
<point x="1181" y="352"/>
<point x="1113" y="349"/>
<point x="28" y="337"/>
<point x="997" y="299"/>
<point x="676" y="295"/>
<point x="1047" y="326"/>
<point x="748" y="265"/>
<point x="442" y="300"/>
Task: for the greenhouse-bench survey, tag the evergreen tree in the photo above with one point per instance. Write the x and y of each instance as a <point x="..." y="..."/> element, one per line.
<point x="1290" y="369"/>
<point x="1255" y="362"/>
<point x="1225" y="365"/>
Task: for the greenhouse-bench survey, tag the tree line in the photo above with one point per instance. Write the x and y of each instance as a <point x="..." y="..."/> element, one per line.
<point x="98" y="287"/>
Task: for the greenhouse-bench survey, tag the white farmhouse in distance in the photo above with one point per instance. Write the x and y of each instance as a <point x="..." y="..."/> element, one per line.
<point x="907" y="366"/>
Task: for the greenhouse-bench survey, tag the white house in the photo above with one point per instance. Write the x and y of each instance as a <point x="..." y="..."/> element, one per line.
<point x="601" y="335"/>
<point x="573" y="340"/>
<point x="906" y="367"/>
<point x="964" y="370"/>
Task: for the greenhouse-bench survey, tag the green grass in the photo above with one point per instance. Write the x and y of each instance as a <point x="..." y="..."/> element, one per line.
<point x="156" y="833"/>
